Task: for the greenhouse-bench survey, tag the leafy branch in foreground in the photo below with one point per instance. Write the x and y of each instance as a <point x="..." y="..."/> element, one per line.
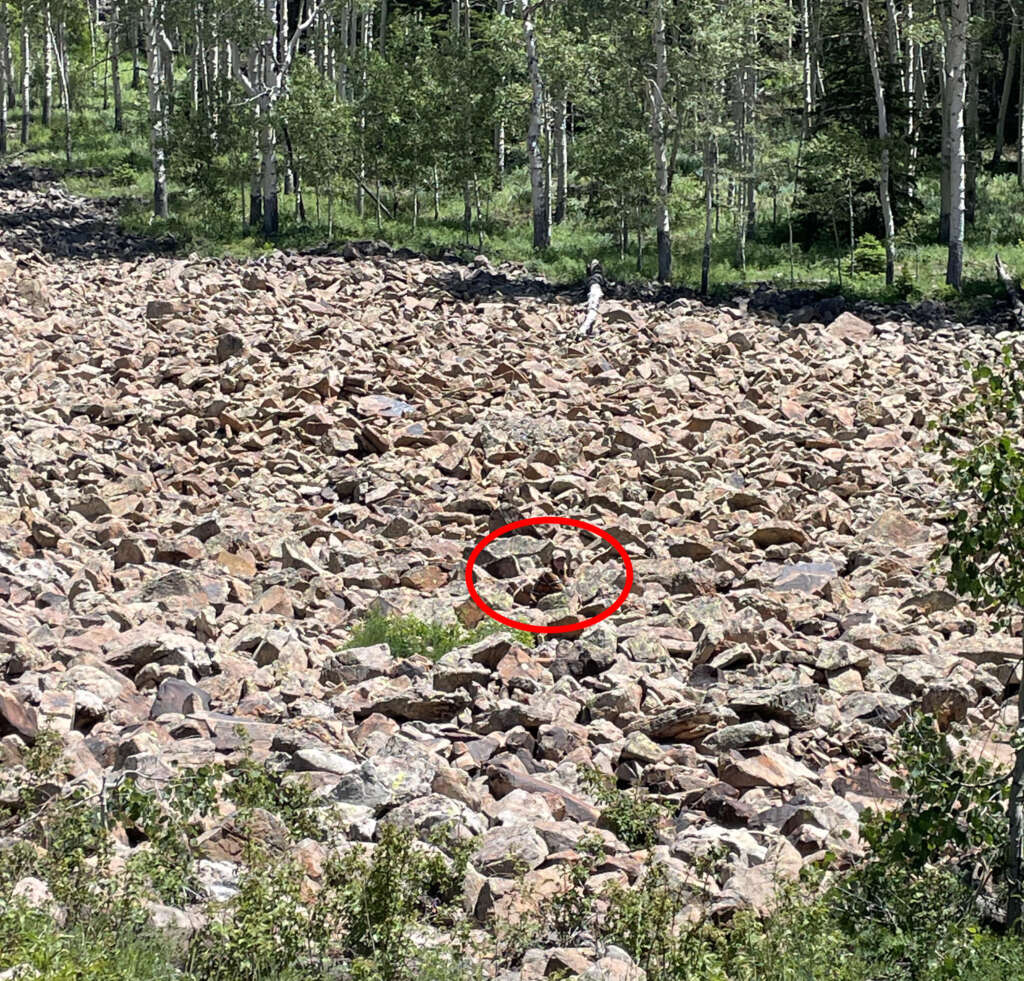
<point x="982" y="442"/>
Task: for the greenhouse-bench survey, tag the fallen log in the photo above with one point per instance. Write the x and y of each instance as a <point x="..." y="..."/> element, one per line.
<point x="1011" y="290"/>
<point x="595" y="282"/>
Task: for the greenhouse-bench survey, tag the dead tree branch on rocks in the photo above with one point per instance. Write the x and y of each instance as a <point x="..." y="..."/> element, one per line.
<point x="1011" y="291"/>
<point x="595" y="282"/>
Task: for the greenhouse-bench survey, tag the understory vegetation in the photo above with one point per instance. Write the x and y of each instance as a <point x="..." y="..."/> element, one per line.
<point x="408" y="636"/>
<point x="917" y="907"/>
<point x="114" y="166"/>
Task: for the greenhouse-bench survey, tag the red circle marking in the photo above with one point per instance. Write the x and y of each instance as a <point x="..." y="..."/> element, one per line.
<point x="563" y="628"/>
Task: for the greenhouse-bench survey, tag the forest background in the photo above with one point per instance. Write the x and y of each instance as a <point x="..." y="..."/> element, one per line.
<point x="867" y="146"/>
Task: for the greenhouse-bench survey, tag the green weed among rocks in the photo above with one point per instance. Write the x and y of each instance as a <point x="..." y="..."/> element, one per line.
<point x="631" y="814"/>
<point x="391" y="911"/>
<point x="408" y="636"/>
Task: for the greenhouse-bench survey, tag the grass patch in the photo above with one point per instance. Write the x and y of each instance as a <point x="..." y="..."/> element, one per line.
<point x="408" y="636"/>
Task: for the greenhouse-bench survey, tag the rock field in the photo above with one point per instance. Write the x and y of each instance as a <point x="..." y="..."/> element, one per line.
<point x="211" y="469"/>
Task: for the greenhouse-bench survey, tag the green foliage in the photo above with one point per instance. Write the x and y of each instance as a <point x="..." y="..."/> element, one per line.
<point x="262" y="932"/>
<point x="869" y="255"/>
<point x="952" y="809"/>
<point x="409" y="636"/>
<point x="123" y="175"/>
<point x="630" y="814"/>
<point x="906" y="913"/>
<point x="253" y="784"/>
<point x="572" y="911"/>
<point x="99" y="952"/>
<point x="981" y="442"/>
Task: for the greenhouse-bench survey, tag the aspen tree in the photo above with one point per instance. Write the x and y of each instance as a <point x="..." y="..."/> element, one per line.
<point x="538" y="188"/>
<point x="656" y="93"/>
<point x="956" y="85"/>
<point x="883" y="138"/>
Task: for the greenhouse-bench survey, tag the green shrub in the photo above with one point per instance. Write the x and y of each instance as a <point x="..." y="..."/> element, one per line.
<point x="630" y="814"/>
<point x="869" y="255"/>
<point x="408" y="636"/>
<point x="123" y="175"/>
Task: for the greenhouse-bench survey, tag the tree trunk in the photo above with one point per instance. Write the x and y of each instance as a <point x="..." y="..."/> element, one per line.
<point x="956" y="83"/>
<point x="1015" y="807"/>
<point x="913" y="99"/>
<point x="268" y="174"/>
<point x="8" y="59"/>
<point x="883" y="137"/>
<point x="1020" y="111"/>
<point x="808" y="78"/>
<point x="709" y="200"/>
<point x="1011" y="291"/>
<point x="155" y="75"/>
<point x="135" y="35"/>
<point x="26" y="80"/>
<point x="944" y="167"/>
<point x="561" y="153"/>
<point x="62" y="54"/>
<point x="499" y="154"/>
<point x="972" y="138"/>
<point x="538" y="191"/>
<point x="46" y="114"/>
<point x="5" y="53"/>
<point x="115" y="67"/>
<point x="1004" y="101"/>
<point x="657" y="87"/>
<point x="300" y="205"/>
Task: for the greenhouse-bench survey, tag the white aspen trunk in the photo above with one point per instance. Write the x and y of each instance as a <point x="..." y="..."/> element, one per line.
<point x="268" y="132"/>
<point x="538" y="193"/>
<point x="547" y="160"/>
<point x="268" y="173"/>
<point x="910" y="74"/>
<point x="360" y="193"/>
<point x="153" y="25"/>
<point x="499" y="154"/>
<point x="93" y="7"/>
<point x="805" y="30"/>
<point x="883" y="137"/>
<point x="350" y="47"/>
<point x="656" y="89"/>
<point x="561" y="154"/>
<point x="1020" y="113"/>
<point x="26" y="79"/>
<point x="1015" y="808"/>
<point x="114" y="28"/>
<point x="972" y="144"/>
<point x="1004" y="101"/>
<point x="46" y="112"/>
<point x="134" y="34"/>
<point x="945" y="163"/>
<point x="739" y="119"/>
<point x="60" y="51"/>
<point x="709" y="198"/>
<point x="750" y="134"/>
<point x="8" y="56"/>
<point x="268" y="66"/>
<point x="893" y="36"/>
<point x="956" y="83"/>
<point x="499" y="127"/>
<point x="5" y="55"/>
